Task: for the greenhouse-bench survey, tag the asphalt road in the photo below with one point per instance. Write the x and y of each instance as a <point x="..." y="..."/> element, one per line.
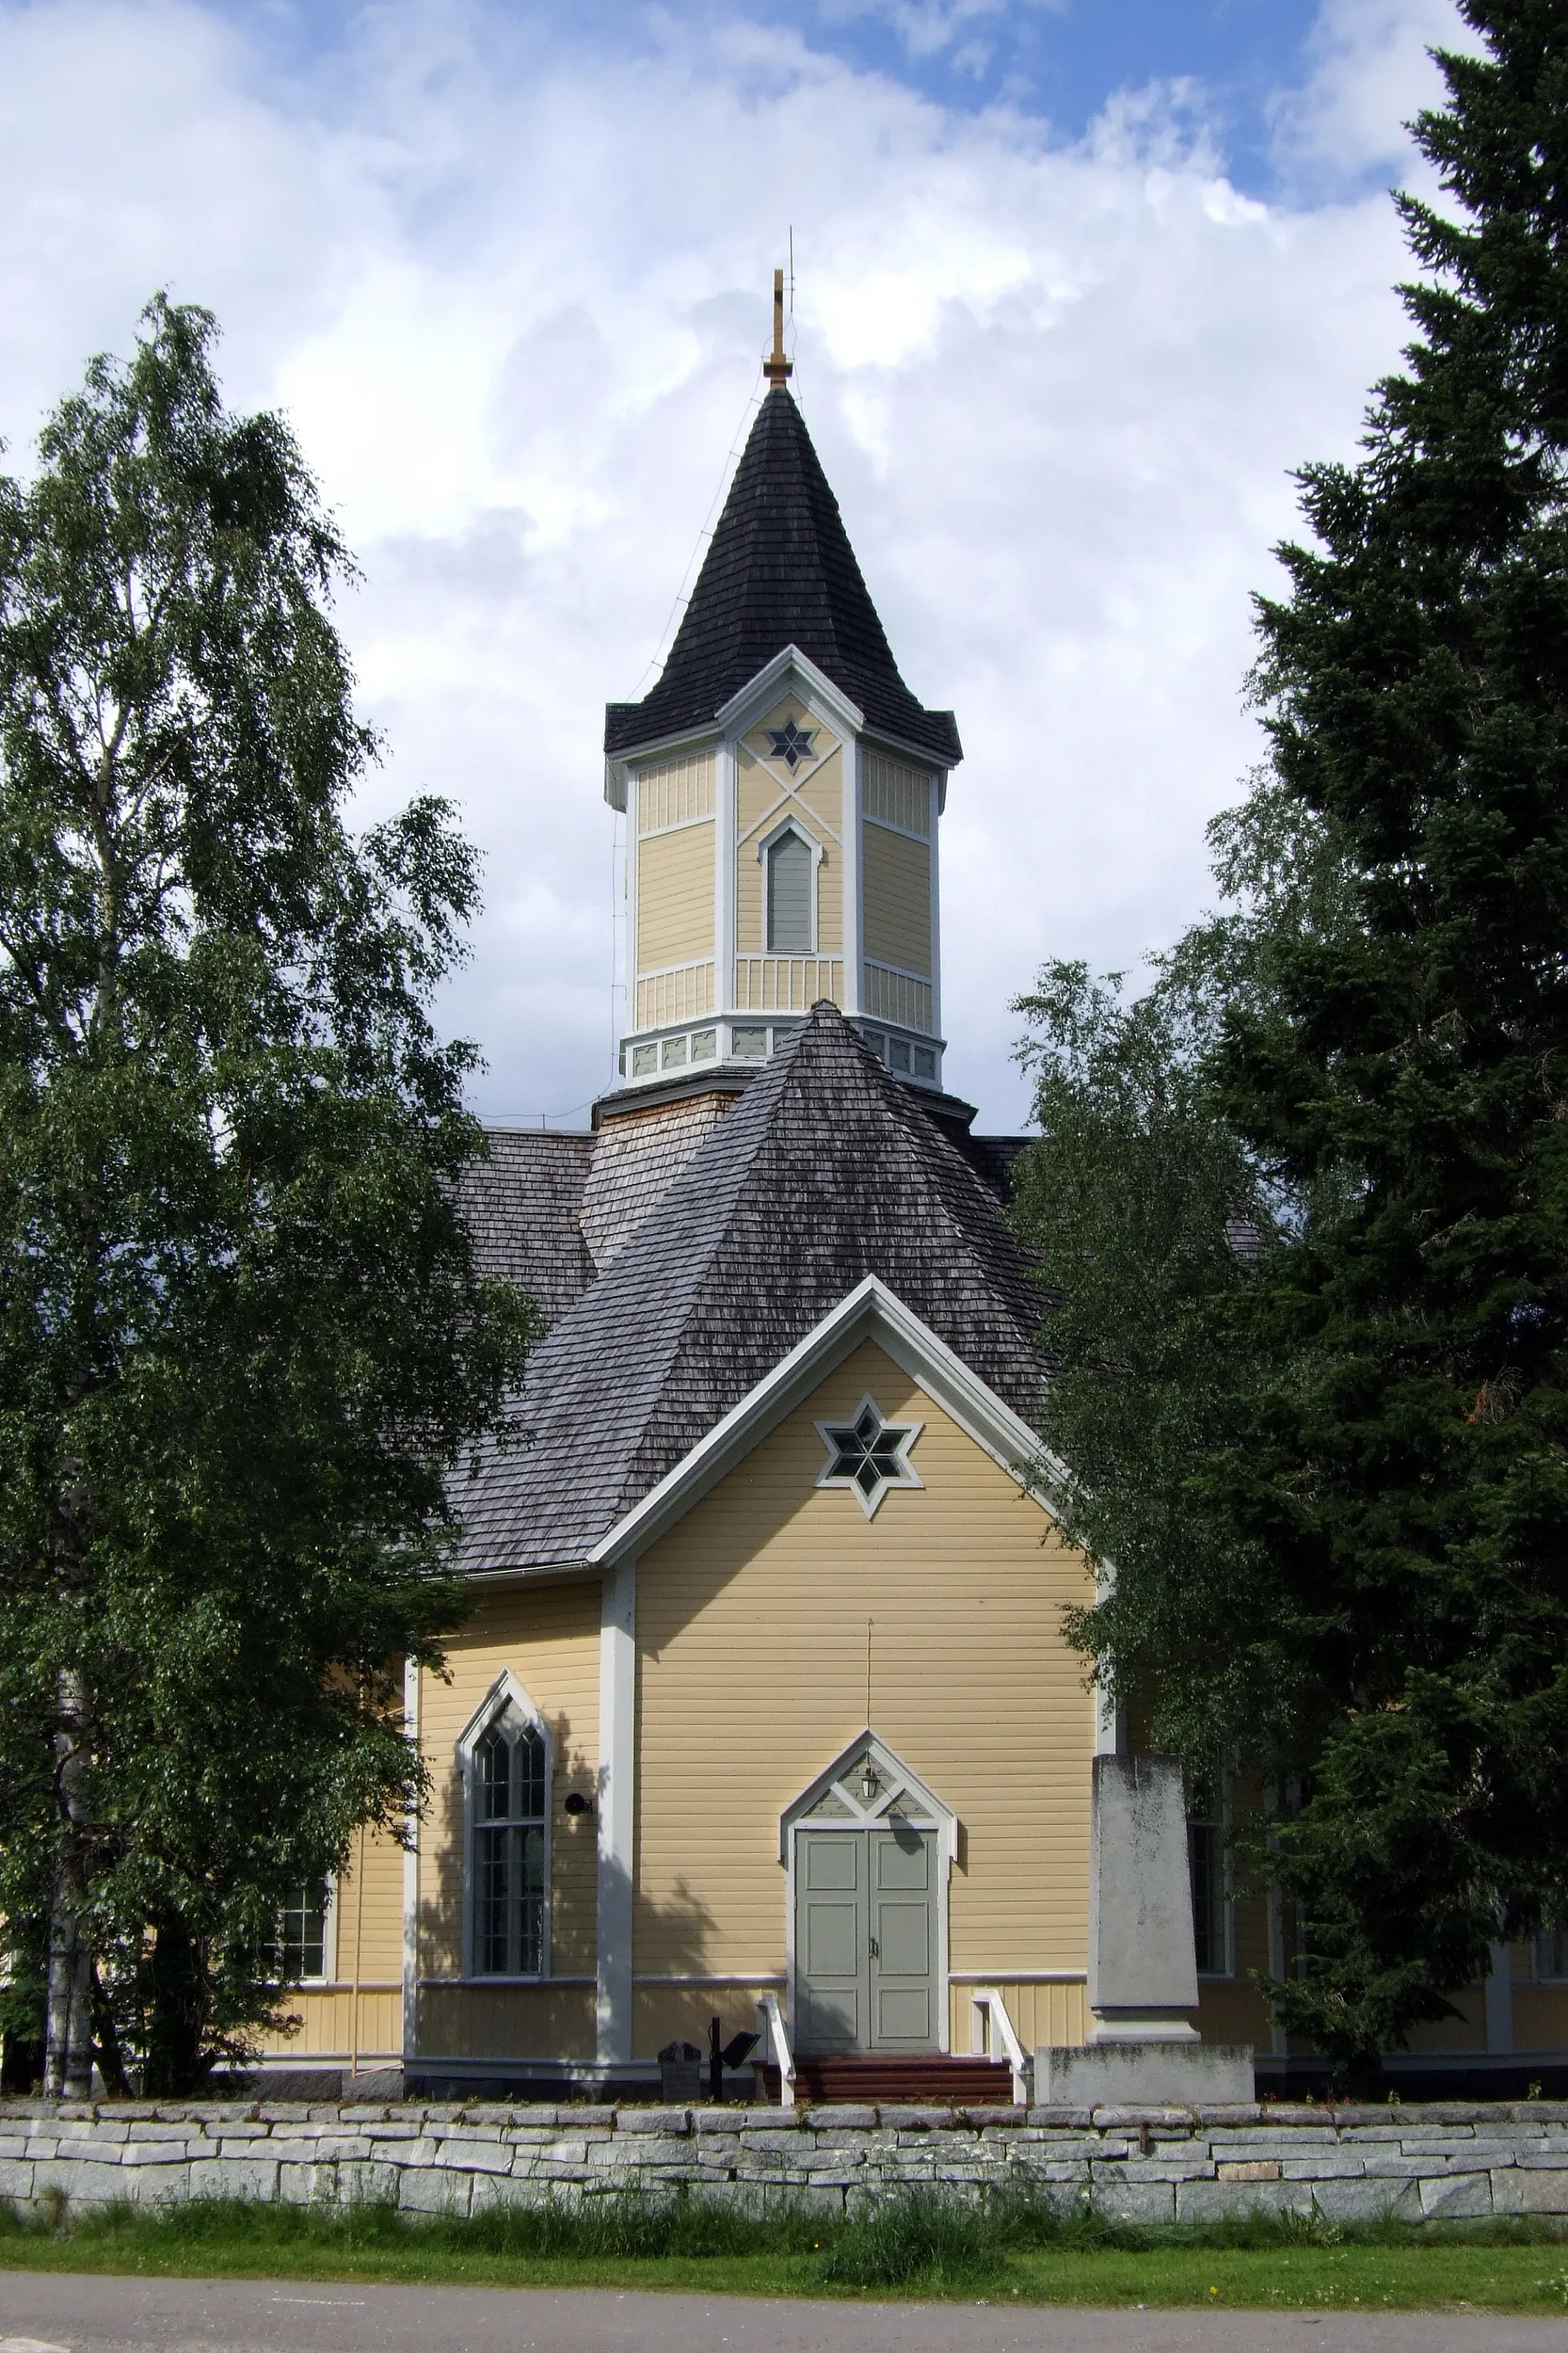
<point x="66" y="2313"/>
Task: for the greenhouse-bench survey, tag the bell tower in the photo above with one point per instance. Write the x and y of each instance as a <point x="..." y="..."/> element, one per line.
<point x="783" y="791"/>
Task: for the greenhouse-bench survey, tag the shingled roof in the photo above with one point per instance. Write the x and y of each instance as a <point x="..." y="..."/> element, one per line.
<point x="523" y="1205"/>
<point x="826" y="1171"/>
<point x="779" y="571"/>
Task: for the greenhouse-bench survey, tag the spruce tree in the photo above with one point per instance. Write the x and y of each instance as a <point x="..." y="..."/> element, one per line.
<point x="1381" y="1475"/>
<point x="243" y="1340"/>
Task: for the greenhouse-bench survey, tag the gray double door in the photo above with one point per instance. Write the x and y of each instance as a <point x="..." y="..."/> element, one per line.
<point x="866" y="1961"/>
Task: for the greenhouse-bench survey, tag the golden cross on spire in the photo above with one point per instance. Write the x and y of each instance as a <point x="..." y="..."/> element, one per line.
<point x="775" y="367"/>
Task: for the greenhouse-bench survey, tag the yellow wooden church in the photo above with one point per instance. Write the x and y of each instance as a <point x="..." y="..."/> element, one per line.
<point x="764" y="1714"/>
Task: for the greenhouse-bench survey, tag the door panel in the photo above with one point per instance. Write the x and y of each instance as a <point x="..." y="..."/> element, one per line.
<point x="831" y="1955"/>
<point x="903" y="1937"/>
<point x="866" y="1940"/>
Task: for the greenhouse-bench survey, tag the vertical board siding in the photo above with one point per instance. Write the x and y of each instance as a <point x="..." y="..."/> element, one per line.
<point x="1041" y="2013"/>
<point x="1231" y="2010"/>
<point x="674" y="898"/>
<point x="680" y="2013"/>
<point x="1539" y="2016"/>
<point x="893" y="795"/>
<point x="683" y="995"/>
<point x="327" y="2025"/>
<point x="549" y="1637"/>
<point x="894" y="997"/>
<point x="786" y="983"/>
<point x="896" y="894"/>
<point x="751" y="1635"/>
<point x="675" y="791"/>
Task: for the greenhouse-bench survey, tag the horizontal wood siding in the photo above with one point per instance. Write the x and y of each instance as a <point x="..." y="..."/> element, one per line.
<point x="675" y="897"/>
<point x="896" y="892"/>
<point x="1467" y="2032"/>
<point x="751" y="1634"/>
<point x="548" y="1636"/>
<point x="509" y="2022"/>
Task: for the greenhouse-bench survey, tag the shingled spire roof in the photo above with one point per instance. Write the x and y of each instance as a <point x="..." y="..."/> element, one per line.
<point x="826" y="1171"/>
<point x="779" y="571"/>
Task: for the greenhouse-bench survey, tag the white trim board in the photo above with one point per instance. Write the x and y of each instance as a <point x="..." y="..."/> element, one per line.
<point x="870" y="1312"/>
<point x="757" y="698"/>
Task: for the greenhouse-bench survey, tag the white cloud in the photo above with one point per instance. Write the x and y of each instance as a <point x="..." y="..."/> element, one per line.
<point x="1370" y="73"/>
<point x="514" y="300"/>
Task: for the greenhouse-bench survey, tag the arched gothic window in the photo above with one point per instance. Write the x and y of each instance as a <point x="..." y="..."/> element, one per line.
<point x="791" y="872"/>
<point x="508" y="1812"/>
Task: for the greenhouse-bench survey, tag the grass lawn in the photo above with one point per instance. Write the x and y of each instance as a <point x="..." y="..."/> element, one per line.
<point x="913" y="2248"/>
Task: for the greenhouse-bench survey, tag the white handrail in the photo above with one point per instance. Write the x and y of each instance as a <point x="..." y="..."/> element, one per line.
<point x="992" y="2024"/>
<point x="777" y="2042"/>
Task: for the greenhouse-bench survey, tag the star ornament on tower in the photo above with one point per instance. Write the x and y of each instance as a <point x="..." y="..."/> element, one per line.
<point x="869" y="1455"/>
<point x="791" y="745"/>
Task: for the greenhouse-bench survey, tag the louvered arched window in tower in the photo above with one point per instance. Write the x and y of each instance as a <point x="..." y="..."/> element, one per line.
<point x="792" y="885"/>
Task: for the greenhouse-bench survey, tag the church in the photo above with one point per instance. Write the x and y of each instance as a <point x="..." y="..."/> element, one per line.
<point x="764" y="1723"/>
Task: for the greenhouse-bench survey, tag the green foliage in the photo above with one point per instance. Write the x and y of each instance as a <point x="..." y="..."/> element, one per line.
<point x="1341" y="1560"/>
<point x="919" y="2235"/>
<point x="242" y="1342"/>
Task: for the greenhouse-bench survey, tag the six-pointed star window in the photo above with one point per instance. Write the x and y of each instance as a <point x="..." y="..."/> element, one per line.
<point x="869" y="1455"/>
<point x="791" y="745"/>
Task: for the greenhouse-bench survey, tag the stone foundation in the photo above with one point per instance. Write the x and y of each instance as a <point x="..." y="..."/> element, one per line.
<point x="1149" y="2165"/>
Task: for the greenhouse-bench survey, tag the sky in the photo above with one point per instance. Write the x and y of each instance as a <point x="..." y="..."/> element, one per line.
<point x="1077" y="284"/>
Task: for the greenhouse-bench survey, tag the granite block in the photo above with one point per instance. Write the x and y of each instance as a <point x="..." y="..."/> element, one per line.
<point x="1368" y="2200"/>
<point x="472" y="2156"/>
<point x="1138" y="2201"/>
<point x="1456" y="2197"/>
<point x="235" y="2177"/>
<point x="331" y="2149"/>
<point x="1530" y="2189"/>
<point x="90" y="2185"/>
<point x="431" y="2192"/>
<point x="1218" y="2202"/>
<point x="158" y="2184"/>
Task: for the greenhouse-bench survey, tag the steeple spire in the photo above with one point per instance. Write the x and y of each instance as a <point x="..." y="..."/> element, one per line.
<point x="775" y="367"/>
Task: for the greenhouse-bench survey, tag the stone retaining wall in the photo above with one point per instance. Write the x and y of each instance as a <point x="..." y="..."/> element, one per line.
<point x="1149" y="2165"/>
